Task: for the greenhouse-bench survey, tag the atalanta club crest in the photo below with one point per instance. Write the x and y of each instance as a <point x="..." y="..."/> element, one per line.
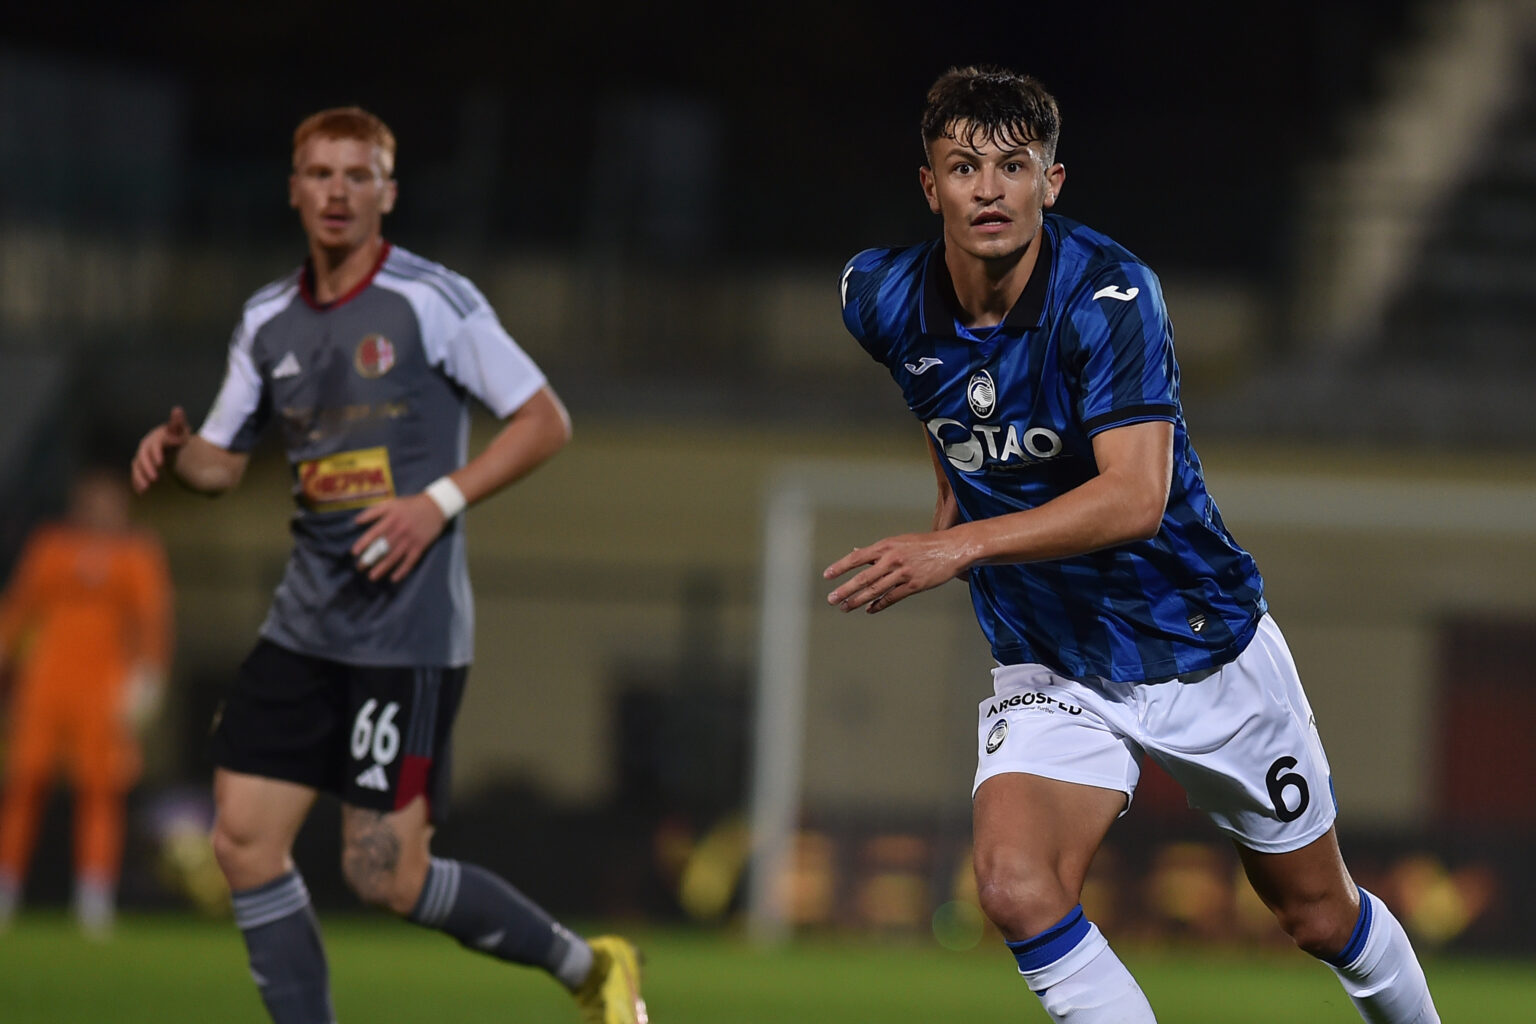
<point x="374" y="356"/>
<point x="982" y="394"/>
<point x="997" y="735"/>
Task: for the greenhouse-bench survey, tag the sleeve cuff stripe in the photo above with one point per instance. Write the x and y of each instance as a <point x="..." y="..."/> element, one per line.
<point x="1131" y="414"/>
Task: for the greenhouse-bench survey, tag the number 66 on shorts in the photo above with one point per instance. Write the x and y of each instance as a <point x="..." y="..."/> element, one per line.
<point x="376" y="736"/>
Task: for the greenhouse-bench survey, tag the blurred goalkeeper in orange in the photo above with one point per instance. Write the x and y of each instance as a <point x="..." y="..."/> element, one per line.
<point x="85" y="629"/>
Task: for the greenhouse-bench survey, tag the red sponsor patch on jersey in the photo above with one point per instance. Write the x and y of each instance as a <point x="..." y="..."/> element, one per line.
<point x="346" y="480"/>
<point x="374" y="356"/>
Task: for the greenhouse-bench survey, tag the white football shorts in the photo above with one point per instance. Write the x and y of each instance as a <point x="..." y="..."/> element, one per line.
<point x="1241" y="740"/>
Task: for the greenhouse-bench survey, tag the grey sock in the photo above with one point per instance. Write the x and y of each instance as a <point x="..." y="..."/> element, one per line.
<point x="282" y="937"/>
<point x="485" y="913"/>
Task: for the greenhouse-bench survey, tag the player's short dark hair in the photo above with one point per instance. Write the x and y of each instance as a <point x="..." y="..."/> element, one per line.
<point x="995" y="105"/>
<point x="348" y="123"/>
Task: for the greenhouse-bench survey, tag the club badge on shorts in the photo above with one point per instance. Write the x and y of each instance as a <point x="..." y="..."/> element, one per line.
<point x="997" y="735"/>
<point x="374" y="356"/>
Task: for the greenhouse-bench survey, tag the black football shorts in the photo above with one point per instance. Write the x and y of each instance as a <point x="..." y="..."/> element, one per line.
<point x="376" y="736"/>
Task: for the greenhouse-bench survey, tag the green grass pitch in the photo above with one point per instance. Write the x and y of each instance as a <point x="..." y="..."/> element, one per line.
<point x="167" y="969"/>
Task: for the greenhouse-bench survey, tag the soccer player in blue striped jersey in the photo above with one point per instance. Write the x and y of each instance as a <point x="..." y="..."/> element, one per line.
<point x="1125" y="620"/>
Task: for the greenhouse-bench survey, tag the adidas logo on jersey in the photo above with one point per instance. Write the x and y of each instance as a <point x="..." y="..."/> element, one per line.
<point x="373" y="777"/>
<point x="288" y="366"/>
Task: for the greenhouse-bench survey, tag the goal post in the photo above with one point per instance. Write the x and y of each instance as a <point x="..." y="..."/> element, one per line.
<point x="796" y="496"/>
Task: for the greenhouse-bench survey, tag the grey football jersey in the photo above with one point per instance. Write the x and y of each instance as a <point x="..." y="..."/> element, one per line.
<point x="371" y="394"/>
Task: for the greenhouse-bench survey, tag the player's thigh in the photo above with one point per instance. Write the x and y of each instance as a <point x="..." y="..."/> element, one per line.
<point x="1310" y="892"/>
<point x="1312" y="874"/>
<point x="1040" y="834"/>
<point x="408" y="827"/>
<point x="1055" y="768"/>
<point x="385" y="855"/>
<point x="399" y="744"/>
<point x="284" y="716"/>
<point x="1244" y="745"/>
<point x="258" y="815"/>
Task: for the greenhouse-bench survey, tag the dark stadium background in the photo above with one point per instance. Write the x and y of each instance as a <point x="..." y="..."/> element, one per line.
<point x="691" y="148"/>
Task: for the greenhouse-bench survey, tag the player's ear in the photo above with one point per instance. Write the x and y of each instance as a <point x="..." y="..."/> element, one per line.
<point x="391" y="193"/>
<point x="930" y="186"/>
<point x="293" y="190"/>
<point x="1055" y="178"/>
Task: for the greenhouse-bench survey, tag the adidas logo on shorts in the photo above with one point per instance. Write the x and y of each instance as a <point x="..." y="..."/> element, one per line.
<point x="373" y="777"/>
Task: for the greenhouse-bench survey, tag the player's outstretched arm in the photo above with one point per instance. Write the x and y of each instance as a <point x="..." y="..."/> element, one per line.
<point x="400" y="531"/>
<point x="201" y="465"/>
<point x="1124" y="502"/>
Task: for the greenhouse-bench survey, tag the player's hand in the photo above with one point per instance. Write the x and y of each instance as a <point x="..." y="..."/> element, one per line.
<point x="398" y="533"/>
<point x="156" y="445"/>
<point x="142" y="696"/>
<point x="898" y="568"/>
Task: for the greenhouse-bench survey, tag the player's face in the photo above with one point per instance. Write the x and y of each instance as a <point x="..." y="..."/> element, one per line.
<point x="99" y="502"/>
<point x="991" y="195"/>
<point x="341" y="192"/>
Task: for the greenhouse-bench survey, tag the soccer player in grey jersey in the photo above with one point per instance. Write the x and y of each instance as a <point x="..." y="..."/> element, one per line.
<point x="366" y="357"/>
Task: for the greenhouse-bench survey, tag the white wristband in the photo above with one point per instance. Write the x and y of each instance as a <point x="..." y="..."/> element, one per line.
<point x="447" y="496"/>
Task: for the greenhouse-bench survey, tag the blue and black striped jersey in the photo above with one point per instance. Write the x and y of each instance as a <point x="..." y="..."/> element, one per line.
<point x="1012" y="411"/>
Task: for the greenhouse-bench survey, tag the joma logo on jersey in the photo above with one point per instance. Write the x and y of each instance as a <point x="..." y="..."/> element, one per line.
<point x="1036" y="699"/>
<point x="968" y="448"/>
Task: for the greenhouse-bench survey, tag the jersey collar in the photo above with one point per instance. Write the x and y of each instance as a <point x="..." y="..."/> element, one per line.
<point x="307" y="283"/>
<point x="939" y="306"/>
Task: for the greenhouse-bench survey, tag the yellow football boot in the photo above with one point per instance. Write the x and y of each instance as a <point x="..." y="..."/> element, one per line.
<point x="611" y="993"/>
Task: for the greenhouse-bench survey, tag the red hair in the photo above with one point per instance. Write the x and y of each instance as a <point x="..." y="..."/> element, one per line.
<point x="348" y="123"/>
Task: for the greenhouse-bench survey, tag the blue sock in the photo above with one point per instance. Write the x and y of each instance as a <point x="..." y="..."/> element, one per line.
<point x="1078" y="977"/>
<point x="1379" y="970"/>
<point x="1352" y="949"/>
<point x="1039" y="951"/>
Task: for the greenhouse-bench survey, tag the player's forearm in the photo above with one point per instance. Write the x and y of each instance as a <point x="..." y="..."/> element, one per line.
<point x="535" y="432"/>
<point x="1101" y="513"/>
<point x="206" y="468"/>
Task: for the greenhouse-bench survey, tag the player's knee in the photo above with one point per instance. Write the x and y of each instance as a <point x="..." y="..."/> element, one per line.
<point x="1319" y="925"/>
<point x="244" y="860"/>
<point x="1019" y="899"/>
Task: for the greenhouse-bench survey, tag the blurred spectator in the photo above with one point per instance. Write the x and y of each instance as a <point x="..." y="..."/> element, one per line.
<point x="86" y="622"/>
